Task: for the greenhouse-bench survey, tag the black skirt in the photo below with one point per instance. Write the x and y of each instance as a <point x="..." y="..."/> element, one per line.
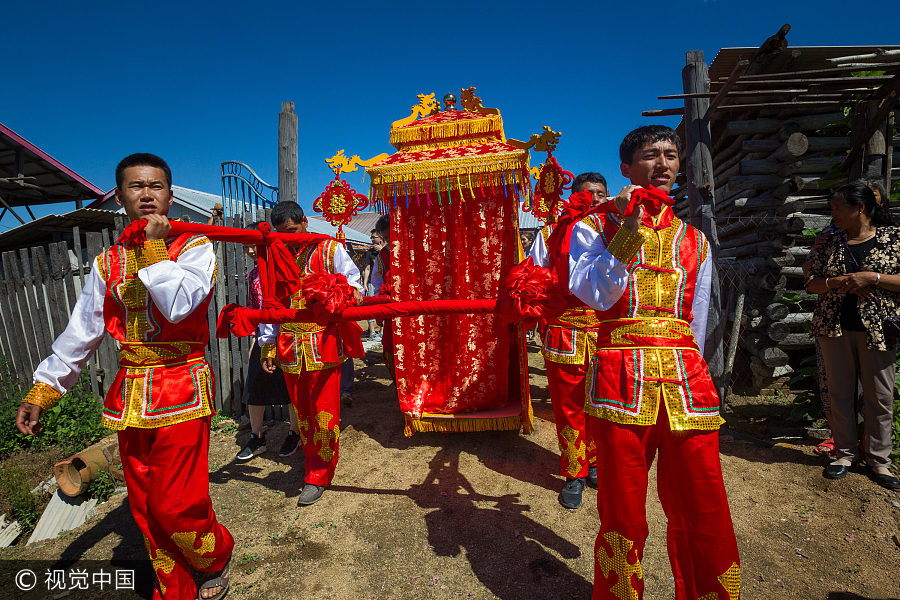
<point x="264" y="389"/>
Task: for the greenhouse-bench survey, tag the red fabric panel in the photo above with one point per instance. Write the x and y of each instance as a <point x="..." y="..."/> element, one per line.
<point x="456" y="250"/>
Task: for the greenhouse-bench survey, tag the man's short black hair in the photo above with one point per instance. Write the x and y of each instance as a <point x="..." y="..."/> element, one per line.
<point x="383" y="224"/>
<point x="142" y="159"/>
<point x="588" y="178"/>
<point x="286" y="211"/>
<point x="648" y="134"/>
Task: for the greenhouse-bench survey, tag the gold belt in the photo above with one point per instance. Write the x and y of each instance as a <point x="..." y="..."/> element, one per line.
<point x="160" y="354"/>
<point x="646" y="332"/>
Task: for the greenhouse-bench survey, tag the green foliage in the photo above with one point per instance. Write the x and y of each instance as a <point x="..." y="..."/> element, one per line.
<point x="866" y="73"/>
<point x="216" y="419"/>
<point x="16" y="490"/>
<point x="833" y="178"/>
<point x="103" y="486"/>
<point x="72" y="424"/>
<point x="793" y="300"/>
<point x="811" y="232"/>
<point x="808" y="401"/>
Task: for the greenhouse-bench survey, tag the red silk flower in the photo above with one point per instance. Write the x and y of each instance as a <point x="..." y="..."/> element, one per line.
<point x="651" y="198"/>
<point x="578" y="204"/>
<point x="531" y="292"/>
<point x="327" y="294"/>
<point x="133" y="234"/>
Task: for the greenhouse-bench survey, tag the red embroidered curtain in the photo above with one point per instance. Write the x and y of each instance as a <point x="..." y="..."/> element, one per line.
<point x="454" y="250"/>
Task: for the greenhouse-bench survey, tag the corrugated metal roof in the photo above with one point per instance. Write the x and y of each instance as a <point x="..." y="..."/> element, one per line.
<point x="48" y="181"/>
<point x="62" y="514"/>
<point x="39" y="231"/>
<point x="527" y="220"/>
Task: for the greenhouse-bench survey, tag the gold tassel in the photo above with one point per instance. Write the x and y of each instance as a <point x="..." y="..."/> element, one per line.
<point x="491" y="124"/>
<point x="461" y="425"/>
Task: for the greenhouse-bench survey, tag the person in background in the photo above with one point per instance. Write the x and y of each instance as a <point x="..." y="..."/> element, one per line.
<point x="826" y="448"/>
<point x="264" y="389"/>
<point x="310" y="355"/>
<point x="527" y="239"/>
<point x="856" y="273"/>
<point x="567" y="349"/>
<point x="372" y="272"/>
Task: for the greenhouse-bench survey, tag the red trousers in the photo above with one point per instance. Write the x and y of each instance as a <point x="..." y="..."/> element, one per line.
<point x="702" y="547"/>
<point x="576" y="449"/>
<point x="167" y="476"/>
<point x="316" y="396"/>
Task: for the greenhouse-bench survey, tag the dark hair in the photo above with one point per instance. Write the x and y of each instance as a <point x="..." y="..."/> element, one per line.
<point x="588" y="178"/>
<point x="858" y="193"/>
<point x="142" y="159"/>
<point x="286" y="211"/>
<point x="383" y="224"/>
<point x="648" y="134"/>
<point x="528" y="234"/>
<point x="877" y="185"/>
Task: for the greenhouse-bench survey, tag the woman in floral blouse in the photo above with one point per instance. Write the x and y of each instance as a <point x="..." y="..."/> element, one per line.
<point x="857" y="276"/>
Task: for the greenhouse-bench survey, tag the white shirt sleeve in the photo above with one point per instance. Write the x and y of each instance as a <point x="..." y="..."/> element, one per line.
<point x="700" y="306"/>
<point x="596" y="277"/>
<point x="344" y="265"/>
<point x="178" y="287"/>
<point x="268" y="333"/>
<point x="538" y="252"/>
<point x="79" y="340"/>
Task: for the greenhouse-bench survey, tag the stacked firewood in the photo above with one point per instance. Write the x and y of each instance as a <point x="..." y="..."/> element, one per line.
<point x="773" y="185"/>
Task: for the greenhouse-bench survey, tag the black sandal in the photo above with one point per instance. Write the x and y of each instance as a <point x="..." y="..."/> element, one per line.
<point x="221" y="578"/>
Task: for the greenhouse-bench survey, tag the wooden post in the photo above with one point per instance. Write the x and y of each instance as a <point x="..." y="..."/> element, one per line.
<point x="873" y="161"/>
<point x="701" y="200"/>
<point x="287" y="153"/>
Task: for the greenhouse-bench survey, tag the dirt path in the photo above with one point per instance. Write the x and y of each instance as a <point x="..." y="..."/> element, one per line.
<point x="476" y="516"/>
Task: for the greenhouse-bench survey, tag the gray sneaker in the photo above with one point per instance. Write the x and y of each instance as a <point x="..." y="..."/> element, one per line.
<point x="570" y="496"/>
<point x="256" y="445"/>
<point x="310" y="494"/>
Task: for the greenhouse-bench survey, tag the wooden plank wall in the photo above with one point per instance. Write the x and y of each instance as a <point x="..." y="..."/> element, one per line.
<point x="39" y="287"/>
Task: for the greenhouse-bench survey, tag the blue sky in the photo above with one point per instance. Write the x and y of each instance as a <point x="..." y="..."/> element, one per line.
<point x="199" y="83"/>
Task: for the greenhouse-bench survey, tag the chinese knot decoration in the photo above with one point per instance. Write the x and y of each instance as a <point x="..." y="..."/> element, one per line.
<point x="552" y="181"/>
<point x="339" y="203"/>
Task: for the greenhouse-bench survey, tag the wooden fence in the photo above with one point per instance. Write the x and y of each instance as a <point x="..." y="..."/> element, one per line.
<point x="39" y="287"/>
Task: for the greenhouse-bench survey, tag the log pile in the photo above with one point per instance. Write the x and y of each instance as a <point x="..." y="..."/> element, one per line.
<point x="785" y="132"/>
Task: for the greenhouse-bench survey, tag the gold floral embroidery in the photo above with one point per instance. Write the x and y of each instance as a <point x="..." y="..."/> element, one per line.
<point x="327" y="435"/>
<point x="161" y="561"/>
<point x="617" y="563"/>
<point x="573" y="449"/>
<point x="186" y="540"/>
<point x="731" y="581"/>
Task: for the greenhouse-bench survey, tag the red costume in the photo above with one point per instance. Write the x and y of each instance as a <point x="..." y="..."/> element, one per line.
<point x="568" y="344"/>
<point x="649" y="389"/>
<point x="161" y="399"/>
<point x="310" y="355"/>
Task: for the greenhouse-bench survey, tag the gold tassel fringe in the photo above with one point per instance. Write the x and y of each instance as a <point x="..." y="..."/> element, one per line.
<point x="461" y="425"/>
<point x="483" y="124"/>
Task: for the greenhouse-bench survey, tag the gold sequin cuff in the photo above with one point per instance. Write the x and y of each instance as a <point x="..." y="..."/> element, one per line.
<point x="152" y="252"/>
<point x="267" y="351"/>
<point x="625" y="244"/>
<point x="42" y="395"/>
